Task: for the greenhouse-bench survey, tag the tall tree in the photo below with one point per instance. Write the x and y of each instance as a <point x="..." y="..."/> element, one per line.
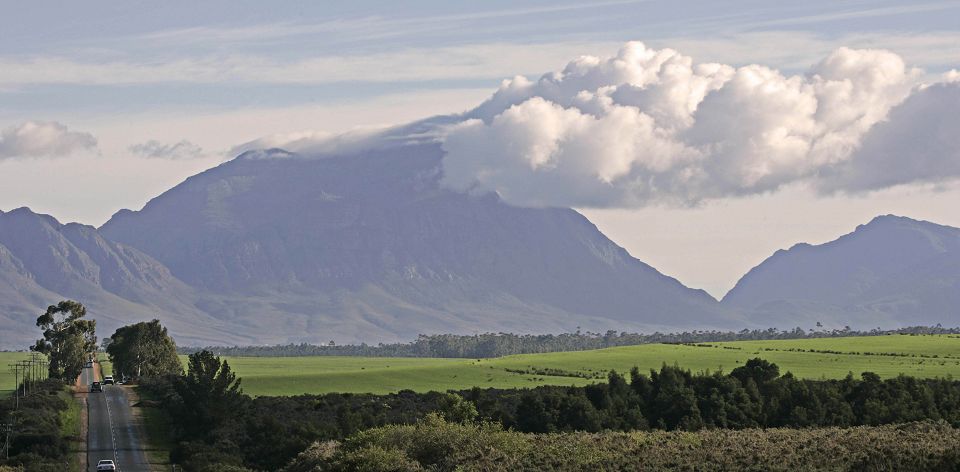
<point x="143" y="348"/>
<point x="209" y="395"/>
<point x="67" y="340"/>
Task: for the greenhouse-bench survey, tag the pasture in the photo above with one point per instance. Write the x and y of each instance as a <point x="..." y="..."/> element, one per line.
<point x="6" y="372"/>
<point x="888" y="356"/>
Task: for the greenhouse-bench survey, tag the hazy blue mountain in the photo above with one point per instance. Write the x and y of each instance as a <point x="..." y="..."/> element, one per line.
<point x="369" y="247"/>
<point x="43" y="261"/>
<point x="891" y="271"/>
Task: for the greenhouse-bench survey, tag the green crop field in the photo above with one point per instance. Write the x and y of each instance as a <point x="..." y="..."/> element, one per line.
<point x="922" y="356"/>
<point x="6" y="372"/>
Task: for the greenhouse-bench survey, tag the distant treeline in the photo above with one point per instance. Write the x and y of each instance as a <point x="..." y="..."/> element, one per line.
<point x="489" y="345"/>
<point x="264" y="433"/>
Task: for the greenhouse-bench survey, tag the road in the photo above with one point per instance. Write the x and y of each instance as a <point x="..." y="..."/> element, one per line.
<point x="112" y="432"/>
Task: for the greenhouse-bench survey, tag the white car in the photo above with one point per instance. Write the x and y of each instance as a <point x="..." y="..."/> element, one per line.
<point x="108" y="380"/>
<point x="106" y="465"/>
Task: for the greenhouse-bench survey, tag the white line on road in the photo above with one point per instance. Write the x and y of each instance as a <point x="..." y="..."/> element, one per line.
<point x="113" y="435"/>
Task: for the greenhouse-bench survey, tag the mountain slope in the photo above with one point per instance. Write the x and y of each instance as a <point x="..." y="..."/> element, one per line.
<point x="43" y="261"/>
<point x="891" y="271"/>
<point x="370" y="247"/>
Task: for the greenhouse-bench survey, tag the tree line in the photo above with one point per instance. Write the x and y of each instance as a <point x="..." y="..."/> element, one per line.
<point x="215" y="423"/>
<point x="34" y="418"/>
<point x="490" y="345"/>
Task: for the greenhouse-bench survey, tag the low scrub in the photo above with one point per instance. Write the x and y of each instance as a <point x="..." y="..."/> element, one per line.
<point x="434" y="444"/>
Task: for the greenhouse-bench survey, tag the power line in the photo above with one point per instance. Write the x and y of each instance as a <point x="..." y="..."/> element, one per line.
<point x="8" y="430"/>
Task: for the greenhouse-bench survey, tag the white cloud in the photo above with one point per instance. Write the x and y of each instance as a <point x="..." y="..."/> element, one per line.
<point x="650" y="126"/>
<point x="476" y="61"/>
<point x="918" y="142"/>
<point x="43" y="139"/>
<point x="154" y="149"/>
<point x="468" y="62"/>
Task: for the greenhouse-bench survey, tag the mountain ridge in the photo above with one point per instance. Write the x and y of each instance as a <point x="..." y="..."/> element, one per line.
<point x="367" y="246"/>
<point x="891" y="270"/>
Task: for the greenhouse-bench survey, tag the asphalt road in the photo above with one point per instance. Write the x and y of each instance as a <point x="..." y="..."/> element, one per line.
<point x="112" y="433"/>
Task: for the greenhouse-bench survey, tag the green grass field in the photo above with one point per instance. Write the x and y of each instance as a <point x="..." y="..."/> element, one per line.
<point x="888" y="356"/>
<point x="296" y="375"/>
<point x="6" y="373"/>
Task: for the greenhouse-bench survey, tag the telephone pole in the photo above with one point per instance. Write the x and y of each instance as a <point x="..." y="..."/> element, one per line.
<point x="16" y="385"/>
<point x="7" y="429"/>
<point x="27" y="378"/>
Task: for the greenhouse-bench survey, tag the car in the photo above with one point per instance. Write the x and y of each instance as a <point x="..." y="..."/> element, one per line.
<point x="106" y="465"/>
<point x="108" y="380"/>
<point x="96" y="387"/>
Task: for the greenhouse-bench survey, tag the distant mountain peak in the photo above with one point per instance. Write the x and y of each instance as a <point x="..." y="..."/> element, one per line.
<point x="891" y="271"/>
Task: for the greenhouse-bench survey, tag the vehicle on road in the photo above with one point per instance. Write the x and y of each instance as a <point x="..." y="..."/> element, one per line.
<point x="96" y="387"/>
<point x="106" y="465"/>
<point x="108" y="380"/>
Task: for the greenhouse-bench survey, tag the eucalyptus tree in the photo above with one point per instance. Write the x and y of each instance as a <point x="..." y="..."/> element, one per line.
<point x="68" y="339"/>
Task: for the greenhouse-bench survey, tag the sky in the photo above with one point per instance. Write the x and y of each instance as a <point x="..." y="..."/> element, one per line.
<point x="763" y="125"/>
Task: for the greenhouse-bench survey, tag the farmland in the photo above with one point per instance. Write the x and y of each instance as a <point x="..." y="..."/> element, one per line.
<point x="6" y="373"/>
<point x="888" y="356"/>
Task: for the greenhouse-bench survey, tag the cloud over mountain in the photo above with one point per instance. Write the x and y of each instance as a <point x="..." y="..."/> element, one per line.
<point x="43" y="139"/>
<point x="651" y="126"/>
<point x="155" y="149"/>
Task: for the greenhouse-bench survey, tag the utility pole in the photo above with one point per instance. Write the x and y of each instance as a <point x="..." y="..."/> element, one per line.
<point x="39" y="362"/>
<point x="27" y="377"/>
<point x="7" y="429"/>
<point x="16" y="385"/>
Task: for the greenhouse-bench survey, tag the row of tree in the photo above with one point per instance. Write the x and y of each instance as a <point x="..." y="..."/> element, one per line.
<point x="489" y="345"/>
<point x="69" y="341"/>
<point x="215" y="423"/>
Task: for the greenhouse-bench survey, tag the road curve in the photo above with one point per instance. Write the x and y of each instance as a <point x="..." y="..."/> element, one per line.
<point x="112" y="432"/>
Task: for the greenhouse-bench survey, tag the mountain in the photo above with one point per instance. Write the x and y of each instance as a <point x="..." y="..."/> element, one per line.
<point x="368" y="246"/>
<point x="43" y="261"/>
<point x="892" y="271"/>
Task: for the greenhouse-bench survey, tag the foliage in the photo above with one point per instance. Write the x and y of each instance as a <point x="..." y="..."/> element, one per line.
<point x="67" y="340"/>
<point x="40" y="440"/>
<point x="434" y="445"/>
<point x="143" y="349"/>
<point x="489" y="345"/>
<point x="275" y="429"/>
<point x="208" y="398"/>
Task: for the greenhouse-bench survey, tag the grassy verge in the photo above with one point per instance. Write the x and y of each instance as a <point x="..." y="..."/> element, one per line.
<point x="156" y="428"/>
<point x="71" y="427"/>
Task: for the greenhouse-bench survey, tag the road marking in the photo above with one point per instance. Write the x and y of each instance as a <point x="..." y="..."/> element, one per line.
<point x="113" y="435"/>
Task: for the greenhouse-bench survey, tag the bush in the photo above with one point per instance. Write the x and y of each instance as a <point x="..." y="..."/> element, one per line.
<point x="434" y="444"/>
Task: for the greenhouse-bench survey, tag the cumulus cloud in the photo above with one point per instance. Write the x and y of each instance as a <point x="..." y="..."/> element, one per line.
<point x="157" y="150"/>
<point x="34" y="139"/>
<point x="651" y="126"/>
<point x="918" y="142"/>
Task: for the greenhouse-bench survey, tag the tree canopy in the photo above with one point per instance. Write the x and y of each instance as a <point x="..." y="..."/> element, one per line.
<point x="143" y="348"/>
<point x="67" y="340"/>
